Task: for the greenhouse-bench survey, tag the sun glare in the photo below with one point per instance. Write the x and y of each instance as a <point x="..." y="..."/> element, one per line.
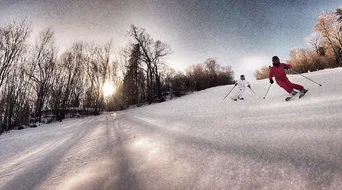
<point x="108" y="89"/>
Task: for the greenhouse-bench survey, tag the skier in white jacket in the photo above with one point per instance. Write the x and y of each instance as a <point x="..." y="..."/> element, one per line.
<point x="241" y="85"/>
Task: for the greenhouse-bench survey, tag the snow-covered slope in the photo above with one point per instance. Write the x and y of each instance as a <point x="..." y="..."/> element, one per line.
<point x="205" y="109"/>
<point x="197" y="141"/>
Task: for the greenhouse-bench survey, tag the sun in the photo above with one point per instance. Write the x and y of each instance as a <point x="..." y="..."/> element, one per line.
<point x="108" y="89"/>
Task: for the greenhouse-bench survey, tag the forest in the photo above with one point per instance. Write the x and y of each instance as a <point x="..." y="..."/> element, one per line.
<point x="38" y="82"/>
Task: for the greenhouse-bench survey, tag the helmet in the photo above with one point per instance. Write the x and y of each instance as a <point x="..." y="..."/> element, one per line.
<point x="275" y="58"/>
<point x="242" y="77"/>
<point x="275" y="61"/>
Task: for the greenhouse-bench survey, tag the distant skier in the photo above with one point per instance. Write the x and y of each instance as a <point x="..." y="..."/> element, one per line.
<point x="241" y="85"/>
<point x="278" y="71"/>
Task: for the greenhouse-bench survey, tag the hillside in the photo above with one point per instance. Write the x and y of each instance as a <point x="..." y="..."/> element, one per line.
<point x="197" y="141"/>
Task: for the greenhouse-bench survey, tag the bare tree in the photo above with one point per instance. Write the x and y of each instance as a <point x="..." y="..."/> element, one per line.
<point x="16" y="103"/>
<point x="13" y="46"/>
<point x="329" y="27"/>
<point x="69" y="86"/>
<point x="170" y="75"/>
<point x="315" y="41"/>
<point x="160" y="51"/>
<point x="97" y="71"/>
<point x="131" y="80"/>
<point x="42" y="68"/>
<point x="211" y="68"/>
<point x="56" y="91"/>
<point x="152" y="54"/>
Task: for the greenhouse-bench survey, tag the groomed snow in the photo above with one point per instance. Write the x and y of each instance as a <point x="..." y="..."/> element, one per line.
<point x="197" y="141"/>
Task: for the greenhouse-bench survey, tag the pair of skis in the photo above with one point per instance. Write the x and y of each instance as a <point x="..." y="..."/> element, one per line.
<point x="237" y="98"/>
<point x="233" y="89"/>
<point x="301" y="95"/>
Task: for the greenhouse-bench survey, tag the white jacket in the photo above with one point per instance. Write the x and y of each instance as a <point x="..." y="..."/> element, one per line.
<point x="241" y="84"/>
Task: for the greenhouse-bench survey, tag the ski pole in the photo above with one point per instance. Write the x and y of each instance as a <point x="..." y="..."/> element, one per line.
<point x="229" y="92"/>
<point x="252" y="90"/>
<point x="267" y="91"/>
<point x="307" y="78"/>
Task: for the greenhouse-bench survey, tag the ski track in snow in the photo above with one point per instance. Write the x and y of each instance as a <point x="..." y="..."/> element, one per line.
<point x="197" y="141"/>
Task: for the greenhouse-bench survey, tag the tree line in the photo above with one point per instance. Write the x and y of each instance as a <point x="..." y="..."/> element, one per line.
<point x="35" y="77"/>
<point x="325" y="50"/>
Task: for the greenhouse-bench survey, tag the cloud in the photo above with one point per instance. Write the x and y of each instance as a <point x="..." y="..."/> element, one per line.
<point x="248" y="65"/>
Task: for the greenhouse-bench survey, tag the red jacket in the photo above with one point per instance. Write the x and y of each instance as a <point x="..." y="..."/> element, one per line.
<point x="278" y="72"/>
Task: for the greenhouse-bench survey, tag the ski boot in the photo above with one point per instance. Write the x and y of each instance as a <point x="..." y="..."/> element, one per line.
<point x="303" y="92"/>
<point x="293" y="93"/>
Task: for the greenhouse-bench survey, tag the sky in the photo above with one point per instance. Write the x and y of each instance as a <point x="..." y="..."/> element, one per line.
<point x="244" y="34"/>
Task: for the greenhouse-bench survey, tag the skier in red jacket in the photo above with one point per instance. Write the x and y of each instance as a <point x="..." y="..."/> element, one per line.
<point x="278" y="71"/>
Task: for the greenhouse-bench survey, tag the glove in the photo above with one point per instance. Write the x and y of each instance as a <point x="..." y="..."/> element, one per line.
<point x="235" y="84"/>
<point x="271" y="81"/>
<point x="286" y="67"/>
